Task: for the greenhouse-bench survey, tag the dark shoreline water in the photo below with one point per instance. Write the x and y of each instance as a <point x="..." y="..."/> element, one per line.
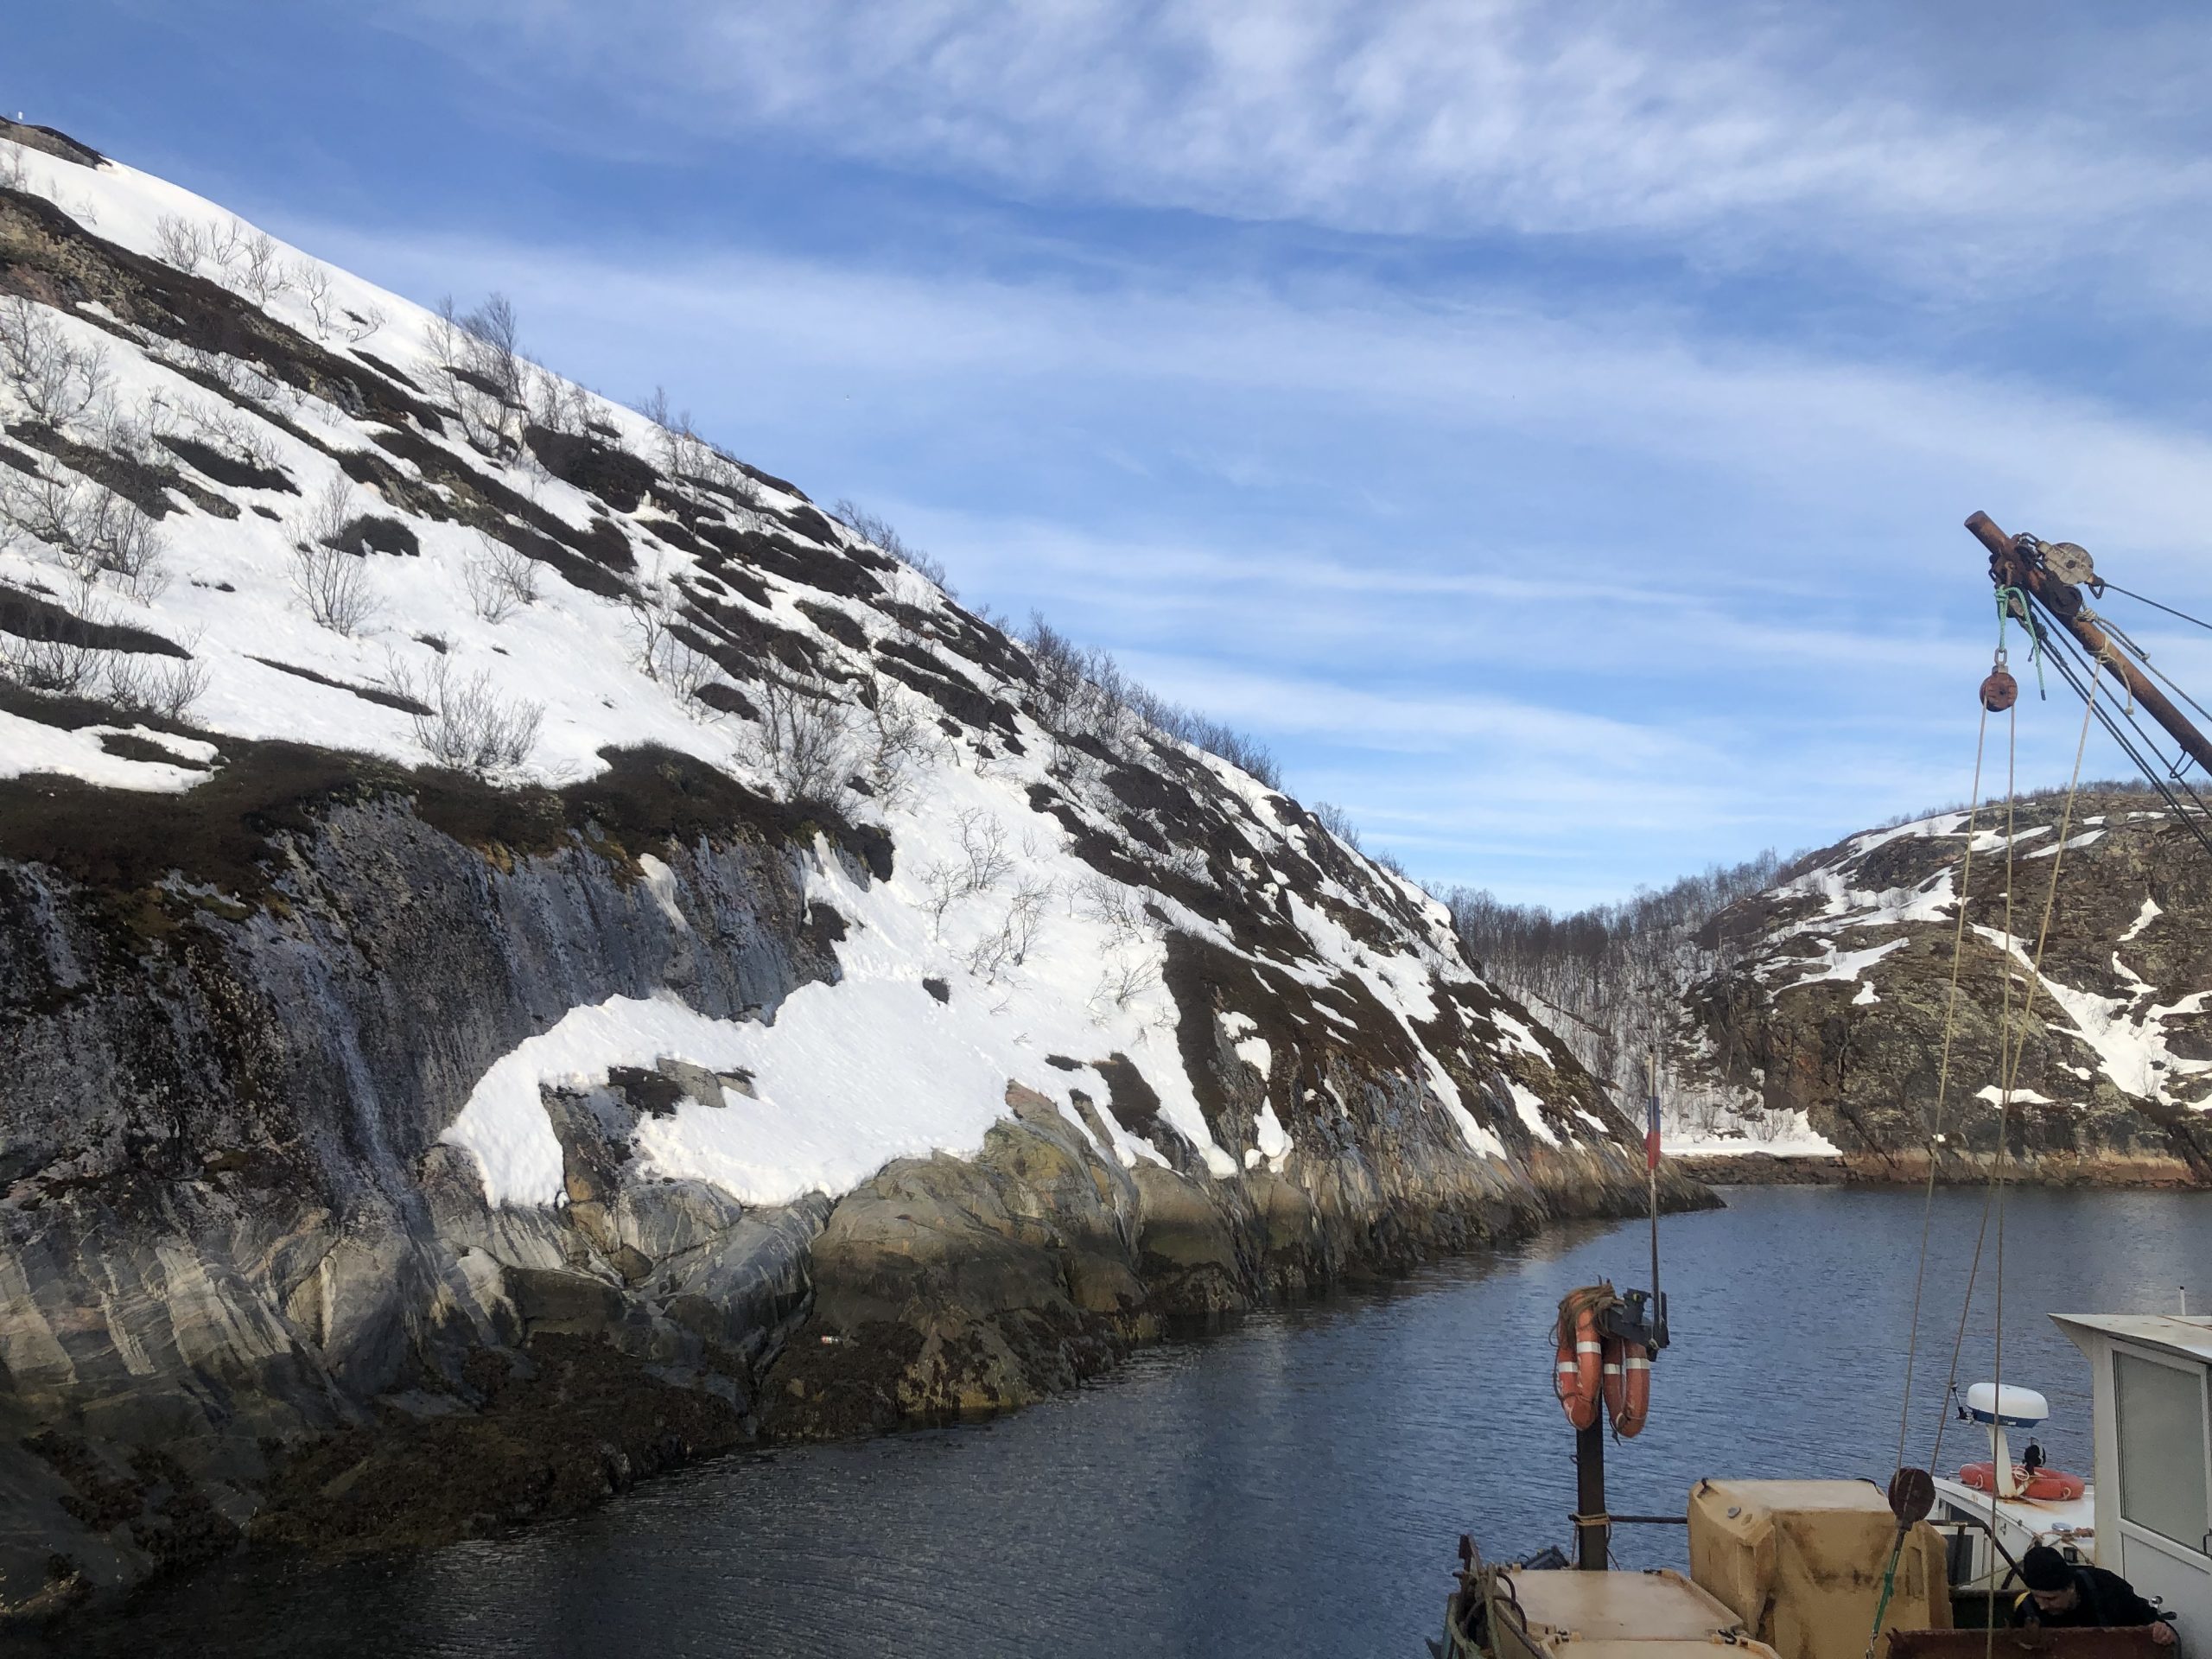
<point x="1294" y="1486"/>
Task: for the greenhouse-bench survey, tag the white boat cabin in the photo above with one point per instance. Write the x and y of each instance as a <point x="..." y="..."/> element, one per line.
<point x="2152" y="1374"/>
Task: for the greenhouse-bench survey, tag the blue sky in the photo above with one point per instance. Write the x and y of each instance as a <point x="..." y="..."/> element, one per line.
<point x="1548" y="427"/>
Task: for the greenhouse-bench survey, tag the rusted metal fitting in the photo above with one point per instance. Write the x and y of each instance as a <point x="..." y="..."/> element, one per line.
<point x="2000" y="691"/>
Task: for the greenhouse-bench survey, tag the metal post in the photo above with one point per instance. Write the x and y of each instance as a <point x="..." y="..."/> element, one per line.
<point x="1593" y="1532"/>
<point x="1652" y="1176"/>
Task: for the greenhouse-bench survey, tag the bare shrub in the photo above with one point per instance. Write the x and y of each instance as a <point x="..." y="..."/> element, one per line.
<point x="178" y="688"/>
<point x="255" y="265"/>
<point x="558" y="406"/>
<point x="94" y="530"/>
<point x="496" y="338"/>
<point x="312" y="284"/>
<point x="480" y="355"/>
<point x="1008" y="945"/>
<point x="727" y="474"/>
<point x="879" y="533"/>
<point x="684" y="454"/>
<point x="181" y="242"/>
<point x="137" y="686"/>
<point x="651" y="605"/>
<point x="501" y="579"/>
<point x="57" y="379"/>
<point x="331" y="582"/>
<point x="804" y="741"/>
<point x="54" y="658"/>
<point x="246" y="381"/>
<point x="1126" y="976"/>
<point x="1337" y="822"/>
<point x="230" y="430"/>
<point x="49" y="660"/>
<point x="982" y="847"/>
<point x="941" y="887"/>
<point x="15" y="168"/>
<point x="1113" y="905"/>
<point x="683" y="671"/>
<point x="225" y="242"/>
<point x="360" y="325"/>
<point x="445" y="335"/>
<point x="335" y="587"/>
<point x="984" y="861"/>
<point x="470" y="727"/>
<point x="898" y="737"/>
<point x="1025" y="916"/>
<point x="1080" y="693"/>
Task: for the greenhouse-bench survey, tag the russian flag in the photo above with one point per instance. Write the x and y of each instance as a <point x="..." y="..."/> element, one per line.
<point x="1651" y="1131"/>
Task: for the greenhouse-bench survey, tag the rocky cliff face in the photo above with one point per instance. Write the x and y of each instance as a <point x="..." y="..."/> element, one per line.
<point x="528" y="951"/>
<point x="1833" y="1013"/>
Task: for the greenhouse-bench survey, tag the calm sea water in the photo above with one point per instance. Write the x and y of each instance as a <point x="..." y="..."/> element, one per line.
<point x="1294" y="1487"/>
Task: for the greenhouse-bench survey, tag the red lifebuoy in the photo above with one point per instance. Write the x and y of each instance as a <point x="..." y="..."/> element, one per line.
<point x="1580" y="1355"/>
<point x="1628" y="1386"/>
<point x="2046" y="1485"/>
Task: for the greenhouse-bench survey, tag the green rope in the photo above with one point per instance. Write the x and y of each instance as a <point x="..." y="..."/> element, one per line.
<point x="1889" y="1584"/>
<point x="2006" y="598"/>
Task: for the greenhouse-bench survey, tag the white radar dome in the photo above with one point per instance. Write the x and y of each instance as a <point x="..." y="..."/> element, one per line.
<point x="1988" y="1402"/>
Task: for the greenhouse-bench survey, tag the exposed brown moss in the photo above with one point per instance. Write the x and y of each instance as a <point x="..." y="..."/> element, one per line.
<point x="221" y="834"/>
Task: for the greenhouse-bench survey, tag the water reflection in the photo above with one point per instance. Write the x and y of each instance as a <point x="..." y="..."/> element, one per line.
<point x="1290" y="1487"/>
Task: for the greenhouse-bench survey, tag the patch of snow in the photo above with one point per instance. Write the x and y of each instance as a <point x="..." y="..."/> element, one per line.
<point x="660" y="881"/>
<point x="2084" y="840"/>
<point x="1530" y="1106"/>
<point x="1832" y="963"/>
<point x="29" y="747"/>
<point x="2150" y="912"/>
<point x="1274" y="1141"/>
<point x="1995" y="1096"/>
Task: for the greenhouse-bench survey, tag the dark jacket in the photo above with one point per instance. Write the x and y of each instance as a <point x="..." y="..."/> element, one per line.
<point x="2104" y="1599"/>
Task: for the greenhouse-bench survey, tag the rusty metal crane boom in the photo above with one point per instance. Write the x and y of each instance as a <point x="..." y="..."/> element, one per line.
<point x="2017" y="562"/>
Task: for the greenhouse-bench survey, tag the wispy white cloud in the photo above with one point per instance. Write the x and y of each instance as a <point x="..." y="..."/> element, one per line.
<point x="1908" y="142"/>
<point x="1846" y="440"/>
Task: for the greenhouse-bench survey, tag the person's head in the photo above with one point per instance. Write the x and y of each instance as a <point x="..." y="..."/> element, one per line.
<point x="2050" y="1578"/>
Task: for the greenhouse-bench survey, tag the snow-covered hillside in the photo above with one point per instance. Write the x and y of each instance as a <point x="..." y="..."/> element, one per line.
<point x="481" y="868"/>
<point x="522" y="554"/>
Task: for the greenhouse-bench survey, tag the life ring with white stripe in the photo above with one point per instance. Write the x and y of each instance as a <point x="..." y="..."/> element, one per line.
<point x="1581" y="1356"/>
<point x="1628" y="1386"/>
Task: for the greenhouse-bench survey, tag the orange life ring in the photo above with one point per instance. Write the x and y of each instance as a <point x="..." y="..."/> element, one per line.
<point x="1580" y="1355"/>
<point x="1628" y="1386"/>
<point x="2047" y="1485"/>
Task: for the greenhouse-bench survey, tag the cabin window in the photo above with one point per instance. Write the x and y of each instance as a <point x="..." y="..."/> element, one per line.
<point x="2162" y="1461"/>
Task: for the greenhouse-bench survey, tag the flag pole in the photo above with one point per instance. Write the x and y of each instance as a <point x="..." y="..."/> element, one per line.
<point x="1651" y="1166"/>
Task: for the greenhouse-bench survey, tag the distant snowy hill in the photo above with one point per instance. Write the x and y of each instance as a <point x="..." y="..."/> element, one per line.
<point x="480" y="867"/>
<point x="1833" y="1010"/>
<point x="1802" y="1009"/>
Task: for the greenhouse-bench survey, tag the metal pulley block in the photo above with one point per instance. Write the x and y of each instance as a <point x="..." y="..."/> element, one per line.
<point x="2068" y="561"/>
<point x="2063" y="599"/>
<point x="2001" y="690"/>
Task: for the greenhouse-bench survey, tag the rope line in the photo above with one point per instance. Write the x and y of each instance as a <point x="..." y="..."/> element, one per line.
<point x="2194" y="816"/>
<point x="2113" y="587"/>
<point x="1934" y="1125"/>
